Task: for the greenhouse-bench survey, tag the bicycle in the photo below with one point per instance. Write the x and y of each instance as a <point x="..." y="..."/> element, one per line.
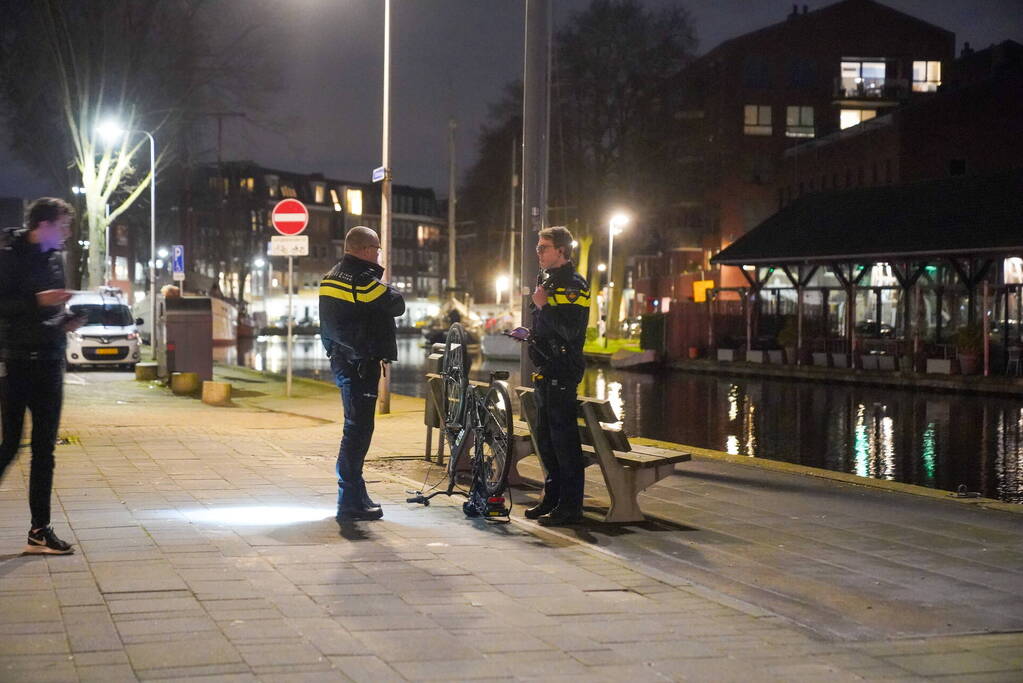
<point x="476" y="417"/>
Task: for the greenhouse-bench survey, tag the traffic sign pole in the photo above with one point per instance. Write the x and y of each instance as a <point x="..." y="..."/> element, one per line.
<point x="290" y="217"/>
<point x="291" y="260"/>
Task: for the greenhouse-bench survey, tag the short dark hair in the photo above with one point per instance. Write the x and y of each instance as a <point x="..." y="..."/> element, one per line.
<point x="560" y="237"/>
<point x="47" y="209"/>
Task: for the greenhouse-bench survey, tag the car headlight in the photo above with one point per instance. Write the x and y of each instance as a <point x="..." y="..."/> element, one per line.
<point x="132" y="335"/>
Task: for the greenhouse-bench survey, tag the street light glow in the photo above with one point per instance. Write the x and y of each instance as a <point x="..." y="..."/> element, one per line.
<point x="501" y="284"/>
<point x="601" y="267"/>
<point x="162" y="253"/>
<point x="618" y="221"/>
<point x="110" y="130"/>
<point x="259" y="263"/>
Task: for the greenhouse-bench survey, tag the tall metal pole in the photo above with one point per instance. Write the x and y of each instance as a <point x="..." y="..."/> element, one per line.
<point x="452" y="201"/>
<point x="610" y="275"/>
<point x="152" y="242"/>
<point x="534" y="152"/>
<point x="385" y="190"/>
<point x="511" y="227"/>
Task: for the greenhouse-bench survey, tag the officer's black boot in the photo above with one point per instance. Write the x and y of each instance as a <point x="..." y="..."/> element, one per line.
<point x="540" y="509"/>
<point x="367" y="502"/>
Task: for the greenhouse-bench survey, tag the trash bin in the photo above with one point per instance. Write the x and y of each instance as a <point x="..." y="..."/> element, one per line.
<point x="186" y="336"/>
<point x="652" y="332"/>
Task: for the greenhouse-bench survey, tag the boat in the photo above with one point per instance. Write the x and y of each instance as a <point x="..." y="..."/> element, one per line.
<point x="623" y="359"/>
<point x="498" y="346"/>
<point x="225" y="322"/>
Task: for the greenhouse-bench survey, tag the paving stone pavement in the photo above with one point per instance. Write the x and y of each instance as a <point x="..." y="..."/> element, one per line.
<point x="207" y="550"/>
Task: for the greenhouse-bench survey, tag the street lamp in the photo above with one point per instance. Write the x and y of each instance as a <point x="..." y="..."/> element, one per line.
<point x="111" y="131"/>
<point x="613" y="228"/>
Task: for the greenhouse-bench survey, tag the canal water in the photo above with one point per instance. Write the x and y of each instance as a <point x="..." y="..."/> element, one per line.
<point x="940" y="440"/>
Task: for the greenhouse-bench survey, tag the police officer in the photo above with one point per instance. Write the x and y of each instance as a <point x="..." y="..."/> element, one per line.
<point x="33" y="327"/>
<point x="357" y="329"/>
<point x="560" y="306"/>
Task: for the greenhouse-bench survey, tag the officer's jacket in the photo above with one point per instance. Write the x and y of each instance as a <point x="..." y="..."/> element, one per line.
<point x="357" y="311"/>
<point x="25" y="269"/>
<point x="559" y="328"/>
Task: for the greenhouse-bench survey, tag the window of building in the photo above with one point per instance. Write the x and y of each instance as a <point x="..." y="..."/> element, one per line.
<point x="246" y="184"/>
<point x="756" y="72"/>
<point x="802" y="73"/>
<point x="799" y="122"/>
<point x="272" y="185"/>
<point x="334" y="199"/>
<point x="926" y="76"/>
<point x="220" y="185"/>
<point x="862" y="78"/>
<point x="353" y="197"/>
<point x="319" y="193"/>
<point x="288" y="190"/>
<point x="853" y="117"/>
<point x="757" y="119"/>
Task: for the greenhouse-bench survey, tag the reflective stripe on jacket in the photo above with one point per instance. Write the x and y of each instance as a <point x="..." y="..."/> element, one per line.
<point x="357" y="311"/>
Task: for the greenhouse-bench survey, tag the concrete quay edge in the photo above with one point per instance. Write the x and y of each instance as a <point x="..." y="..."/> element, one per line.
<point x="746" y="461"/>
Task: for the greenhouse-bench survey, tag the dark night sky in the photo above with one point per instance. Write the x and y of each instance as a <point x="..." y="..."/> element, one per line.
<point x="450" y="58"/>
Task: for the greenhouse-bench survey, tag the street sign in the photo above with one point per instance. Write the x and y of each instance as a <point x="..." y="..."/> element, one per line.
<point x="178" y="262"/>
<point x="289" y="217"/>
<point x="289" y="245"/>
<point x="379" y="174"/>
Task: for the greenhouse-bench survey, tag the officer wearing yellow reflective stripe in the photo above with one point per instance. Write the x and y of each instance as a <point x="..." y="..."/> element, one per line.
<point x="560" y="308"/>
<point x="357" y="329"/>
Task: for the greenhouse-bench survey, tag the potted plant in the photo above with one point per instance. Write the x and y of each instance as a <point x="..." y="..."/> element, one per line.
<point x="969" y="341"/>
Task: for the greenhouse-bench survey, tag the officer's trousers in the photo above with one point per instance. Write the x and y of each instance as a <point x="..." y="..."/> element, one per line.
<point x="36" y="385"/>
<point x="359" y="399"/>
<point x="557" y="439"/>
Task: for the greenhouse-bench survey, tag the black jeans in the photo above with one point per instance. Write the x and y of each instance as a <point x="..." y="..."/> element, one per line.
<point x="557" y="439"/>
<point x="359" y="398"/>
<point x="37" y="385"/>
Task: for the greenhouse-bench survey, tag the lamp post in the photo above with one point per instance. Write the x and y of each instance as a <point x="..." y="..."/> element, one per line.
<point x="385" y="187"/>
<point x="614" y="227"/>
<point x="500" y="284"/>
<point x="111" y="130"/>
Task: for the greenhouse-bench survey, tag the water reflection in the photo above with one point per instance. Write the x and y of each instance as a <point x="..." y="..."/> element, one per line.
<point x="872" y="432"/>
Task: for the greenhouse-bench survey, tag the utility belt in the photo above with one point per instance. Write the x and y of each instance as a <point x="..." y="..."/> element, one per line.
<point x="363" y="366"/>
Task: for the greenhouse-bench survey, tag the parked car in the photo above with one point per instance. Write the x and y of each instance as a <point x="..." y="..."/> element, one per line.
<point x="110" y="334"/>
<point x="869" y="328"/>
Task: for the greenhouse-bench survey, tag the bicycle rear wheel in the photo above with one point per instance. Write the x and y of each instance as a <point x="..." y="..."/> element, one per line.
<point x="493" y="455"/>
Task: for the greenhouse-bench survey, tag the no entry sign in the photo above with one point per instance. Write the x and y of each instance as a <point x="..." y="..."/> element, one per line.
<point x="289" y="217"/>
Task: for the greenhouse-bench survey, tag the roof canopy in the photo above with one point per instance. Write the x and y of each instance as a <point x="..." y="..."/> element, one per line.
<point x="961" y="216"/>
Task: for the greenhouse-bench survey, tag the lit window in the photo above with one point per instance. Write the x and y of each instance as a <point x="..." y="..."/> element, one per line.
<point x="246" y="184"/>
<point x="799" y="122"/>
<point x="271" y="185"/>
<point x="757" y="119"/>
<point x="926" y="76"/>
<point x="319" y="193"/>
<point x="353" y="198"/>
<point x="335" y="200"/>
<point x="862" y="79"/>
<point x="288" y="191"/>
<point x="853" y="117"/>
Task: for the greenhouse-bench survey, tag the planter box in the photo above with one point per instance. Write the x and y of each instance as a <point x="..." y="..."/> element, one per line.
<point x="776" y="357"/>
<point x="840" y="360"/>
<point x="821" y="360"/>
<point x="939" y="366"/>
<point x="728" y="355"/>
<point x="887" y="363"/>
<point x="756" y="356"/>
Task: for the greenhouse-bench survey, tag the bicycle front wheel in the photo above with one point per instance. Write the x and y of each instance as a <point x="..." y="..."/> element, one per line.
<point x="494" y="448"/>
<point x="456" y="377"/>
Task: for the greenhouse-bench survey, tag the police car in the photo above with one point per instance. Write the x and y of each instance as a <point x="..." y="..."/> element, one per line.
<point x="109" y="335"/>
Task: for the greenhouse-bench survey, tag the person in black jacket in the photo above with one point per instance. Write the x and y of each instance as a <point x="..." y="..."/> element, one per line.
<point x="560" y="306"/>
<point x="357" y="313"/>
<point x="33" y="337"/>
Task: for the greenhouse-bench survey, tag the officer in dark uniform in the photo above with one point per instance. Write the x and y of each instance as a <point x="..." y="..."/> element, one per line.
<point x="357" y="329"/>
<point x="560" y="306"/>
<point x="33" y="339"/>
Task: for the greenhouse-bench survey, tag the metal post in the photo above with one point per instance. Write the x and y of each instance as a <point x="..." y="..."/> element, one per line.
<point x="534" y="152"/>
<point x="153" y="328"/>
<point x="987" y="329"/>
<point x="290" y="317"/>
<point x="452" y="201"/>
<point x="385" y="189"/>
<point x="511" y="227"/>
<point x="610" y="284"/>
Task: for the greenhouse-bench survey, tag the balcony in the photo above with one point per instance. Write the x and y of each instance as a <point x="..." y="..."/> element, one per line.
<point x="880" y="91"/>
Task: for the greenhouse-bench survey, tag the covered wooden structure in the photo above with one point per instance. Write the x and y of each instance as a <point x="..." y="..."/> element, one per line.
<point x="951" y="236"/>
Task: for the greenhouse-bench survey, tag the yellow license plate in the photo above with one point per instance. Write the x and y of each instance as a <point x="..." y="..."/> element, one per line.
<point x="106" y="352"/>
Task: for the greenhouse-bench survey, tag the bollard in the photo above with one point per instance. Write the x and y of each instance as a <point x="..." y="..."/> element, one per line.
<point x="146" y="372"/>
<point x="216" y="393"/>
<point x="185" y="383"/>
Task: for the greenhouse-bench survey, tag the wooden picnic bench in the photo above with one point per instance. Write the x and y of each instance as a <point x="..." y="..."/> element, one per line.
<point x="628" y="468"/>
